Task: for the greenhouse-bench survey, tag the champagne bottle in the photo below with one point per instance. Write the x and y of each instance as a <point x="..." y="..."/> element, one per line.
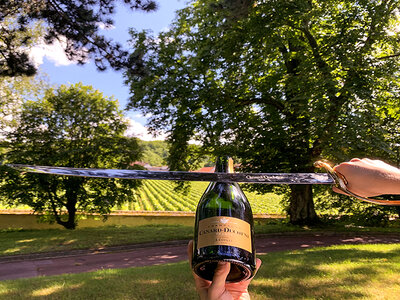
<point x="224" y="229"/>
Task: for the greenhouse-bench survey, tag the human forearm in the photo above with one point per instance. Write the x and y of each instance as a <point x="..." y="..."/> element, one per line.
<point x="370" y="178"/>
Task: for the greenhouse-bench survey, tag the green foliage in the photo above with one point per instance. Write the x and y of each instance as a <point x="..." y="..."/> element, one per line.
<point x="73" y="126"/>
<point x="77" y="20"/>
<point x="349" y="210"/>
<point x="278" y="84"/>
<point x="14" y="91"/>
<point x="154" y="152"/>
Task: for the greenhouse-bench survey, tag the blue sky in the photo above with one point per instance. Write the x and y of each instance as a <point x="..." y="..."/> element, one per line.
<point x="111" y="82"/>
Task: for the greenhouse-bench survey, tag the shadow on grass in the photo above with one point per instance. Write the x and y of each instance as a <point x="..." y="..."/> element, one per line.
<point x="171" y="281"/>
<point x="341" y="272"/>
<point x="45" y="240"/>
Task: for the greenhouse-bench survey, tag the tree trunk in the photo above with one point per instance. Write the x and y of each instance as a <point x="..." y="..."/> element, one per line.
<point x="73" y="185"/>
<point x="301" y="209"/>
<point x="70" y="223"/>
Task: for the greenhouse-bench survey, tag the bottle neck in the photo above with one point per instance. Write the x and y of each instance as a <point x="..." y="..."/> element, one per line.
<point x="224" y="164"/>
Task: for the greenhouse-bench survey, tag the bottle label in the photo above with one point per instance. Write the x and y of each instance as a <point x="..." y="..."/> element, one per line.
<point x="226" y="231"/>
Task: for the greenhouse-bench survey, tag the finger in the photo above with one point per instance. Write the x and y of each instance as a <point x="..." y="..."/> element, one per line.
<point x="355" y="159"/>
<point x="190" y="251"/>
<point x="342" y="167"/>
<point x="220" y="275"/>
<point x="201" y="284"/>
<point x="339" y="191"/>
<point x="190" y="258"/>
<point x="368" y="162"/>
<point x="258" y="265"/>
<point x="243" y="285"/>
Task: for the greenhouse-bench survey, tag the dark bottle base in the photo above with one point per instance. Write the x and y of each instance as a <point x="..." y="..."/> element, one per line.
<point x="239" y="271"/>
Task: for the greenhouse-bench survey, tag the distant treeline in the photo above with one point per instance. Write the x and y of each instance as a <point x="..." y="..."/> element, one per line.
<point x="154" y="152"/>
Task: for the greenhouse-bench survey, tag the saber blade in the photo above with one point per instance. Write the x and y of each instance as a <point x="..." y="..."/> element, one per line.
<point x="265" y="178"/>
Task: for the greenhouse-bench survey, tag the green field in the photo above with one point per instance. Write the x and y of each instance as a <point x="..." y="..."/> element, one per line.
<point x="160" y="196"/>
<point x="157" y="195"/>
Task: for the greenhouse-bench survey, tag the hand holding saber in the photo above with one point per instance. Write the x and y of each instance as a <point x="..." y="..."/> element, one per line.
<point x="365" y="178"/>
<point x="372" y="169"/>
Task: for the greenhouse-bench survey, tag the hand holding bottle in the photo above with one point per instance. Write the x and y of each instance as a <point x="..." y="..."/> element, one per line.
<point x="218" y="289"/>
<point x="224" y="229"/>
<point x="369" y="178"/>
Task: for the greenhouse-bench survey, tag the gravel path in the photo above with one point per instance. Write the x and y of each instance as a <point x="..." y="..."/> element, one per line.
<point x="77" y="261"/>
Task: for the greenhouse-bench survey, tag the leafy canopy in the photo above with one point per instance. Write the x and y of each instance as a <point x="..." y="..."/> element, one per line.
<point x="276" y="83"/>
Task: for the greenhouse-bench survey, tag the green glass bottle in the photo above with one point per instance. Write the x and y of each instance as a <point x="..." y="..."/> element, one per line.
<point x="224" y="229"/>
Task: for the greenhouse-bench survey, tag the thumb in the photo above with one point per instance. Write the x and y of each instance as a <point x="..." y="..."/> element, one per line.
<point x="219" y="279"/>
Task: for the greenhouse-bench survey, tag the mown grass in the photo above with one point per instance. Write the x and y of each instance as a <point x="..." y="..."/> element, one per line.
<point x="15" y="241"/>
<point x="44" y="240"/>
<point x="338" y="272"/>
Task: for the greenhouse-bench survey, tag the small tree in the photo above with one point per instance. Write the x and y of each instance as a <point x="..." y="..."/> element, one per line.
<point x="72" y="126"/>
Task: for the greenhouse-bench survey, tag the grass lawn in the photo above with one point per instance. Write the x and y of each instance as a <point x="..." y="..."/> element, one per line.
<point x="44" y="240"/>
<point x="338" y="272"/>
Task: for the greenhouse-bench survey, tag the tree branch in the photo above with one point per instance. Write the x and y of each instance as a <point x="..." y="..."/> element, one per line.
<point x="322" y="65"/>
<point x="278" y="105"/>
<point x="388" y="56"/>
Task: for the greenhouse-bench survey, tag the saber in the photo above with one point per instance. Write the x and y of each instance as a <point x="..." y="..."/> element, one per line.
<point x="332" y="177"/>
<point x="266" y="178"/>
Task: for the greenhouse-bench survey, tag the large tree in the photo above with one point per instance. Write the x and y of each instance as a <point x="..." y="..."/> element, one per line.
<point x="77" y="22"/>
<point x="72" y="126"/>
<point x="277" y="83"/>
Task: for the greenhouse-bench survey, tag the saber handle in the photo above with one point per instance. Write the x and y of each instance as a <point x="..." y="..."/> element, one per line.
<point x="341" y="183"/>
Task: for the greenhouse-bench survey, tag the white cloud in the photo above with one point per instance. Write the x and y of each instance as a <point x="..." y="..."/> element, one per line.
<point x="53" y="52"/>
<point x="136" y="129"/>
<point x="165" y="29"/>
<point x="141" y="116"/>
<point x="104" y="26"/>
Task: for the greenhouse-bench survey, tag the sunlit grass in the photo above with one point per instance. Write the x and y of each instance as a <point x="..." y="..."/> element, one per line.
<point x="53" y="289"/>
<point x="338" y="272"/>
<point x="46" y="240"/>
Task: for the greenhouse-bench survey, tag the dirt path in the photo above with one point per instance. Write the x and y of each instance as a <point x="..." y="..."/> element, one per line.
<point x="78" y="261"/>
